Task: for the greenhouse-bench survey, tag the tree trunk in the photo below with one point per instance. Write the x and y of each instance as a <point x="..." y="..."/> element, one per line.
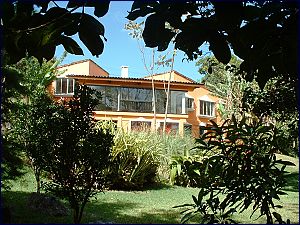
<point x="153" y="92"/>
<point x="76" y="219"/>
<point x="168" y="92"/>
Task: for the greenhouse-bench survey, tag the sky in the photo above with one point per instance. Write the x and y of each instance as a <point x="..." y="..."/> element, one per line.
<point x="122" y="50"/>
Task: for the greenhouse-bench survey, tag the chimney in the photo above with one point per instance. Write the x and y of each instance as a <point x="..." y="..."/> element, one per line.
<point x="124" y="71"/>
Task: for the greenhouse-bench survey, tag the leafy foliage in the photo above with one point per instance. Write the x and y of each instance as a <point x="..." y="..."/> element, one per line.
<point x="243" y="167"/>
<point x="224" y="83"/>
<point x="223" y="24"/>
<point x="210" y="208"/>
<point x="79" y="151"/>
<point x="24" y="84"/>
<point x="277" y="103"/>
<point x="185" y="170"/>
<point x="134" y="159"/>
<point x="35" y="28"/>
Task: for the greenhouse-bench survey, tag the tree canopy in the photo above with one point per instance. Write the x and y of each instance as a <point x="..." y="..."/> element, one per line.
<point x="262" y="33"/>
<point x="34" y="28"/>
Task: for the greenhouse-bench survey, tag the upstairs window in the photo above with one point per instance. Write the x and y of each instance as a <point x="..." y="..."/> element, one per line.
<point x="207" y="108"/>
<point x="64" y="86"/>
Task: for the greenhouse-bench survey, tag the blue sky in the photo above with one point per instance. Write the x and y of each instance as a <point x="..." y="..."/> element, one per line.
<point x="122" y="50"/>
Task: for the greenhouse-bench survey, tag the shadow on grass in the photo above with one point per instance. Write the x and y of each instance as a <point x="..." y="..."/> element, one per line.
<point x="22" y="213"/>
<point x="292" y="182"/>
<point x="116" y="213"/>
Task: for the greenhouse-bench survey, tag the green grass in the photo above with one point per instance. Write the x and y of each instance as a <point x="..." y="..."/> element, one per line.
<point x="151" y="206"/>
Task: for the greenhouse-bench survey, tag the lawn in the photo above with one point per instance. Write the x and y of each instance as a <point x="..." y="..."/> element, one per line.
<point x="150" y="206"/>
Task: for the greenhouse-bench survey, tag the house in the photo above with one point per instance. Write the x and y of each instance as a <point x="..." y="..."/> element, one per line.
<point x="128" y="101"/>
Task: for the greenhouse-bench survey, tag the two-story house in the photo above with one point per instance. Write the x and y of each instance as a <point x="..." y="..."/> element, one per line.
<point x="129" y="101"/>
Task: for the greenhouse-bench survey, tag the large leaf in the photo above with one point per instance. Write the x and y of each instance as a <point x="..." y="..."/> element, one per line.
<point x="70" y="45"/>
<point x="219" y="46"/>
<point x="93" y="24"/>
<point x="154" y="27"/>
<point x="228" y="14"/>
<point x="141" y="9"/>
<point x="91" y="40"/>
<point x="101" y="8"/>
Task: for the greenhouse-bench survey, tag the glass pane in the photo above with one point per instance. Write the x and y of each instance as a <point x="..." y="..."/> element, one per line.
<point x="171" y="128"/>
<point x="58" y="86"/>
<point x="71" y="86"/>
<point x="111" y="98"/>
<point x="140" y="125"/>
<point x="64" y="86"/>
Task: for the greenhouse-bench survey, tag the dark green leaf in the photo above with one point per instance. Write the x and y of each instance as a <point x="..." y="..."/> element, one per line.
<point x="93" y="42"/>
<point x="219" y="46"/>
<point x="195" y="200"/>
<point x="101" y="8"/>
<point x="187" y="217"/>
<point x="74" y="3"/>
<point x="154" y="27"/>
<point x="277" y="216"/>
<point x="287" y="163"/>
<point x="183" y="205"/>
<point x="89" y="22"/>
<point x="70" y="45"/>
<point x="228" y="14"/>
<point x="72" y="24"/>
<point x="252" y="12"/>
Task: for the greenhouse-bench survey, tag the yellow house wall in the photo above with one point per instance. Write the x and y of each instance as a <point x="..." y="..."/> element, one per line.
<point x="78" y="69"/>
<point x="83" y="68"/>
<point x="165" y="76"/>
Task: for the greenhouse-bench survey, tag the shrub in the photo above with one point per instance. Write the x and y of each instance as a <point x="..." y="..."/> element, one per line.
<point x="134" y="159"/>
<point x="243" y="167"/>
<point x="79" y="154"/>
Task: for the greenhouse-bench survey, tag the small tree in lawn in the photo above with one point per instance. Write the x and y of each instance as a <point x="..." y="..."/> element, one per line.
<point x="79" y="153"/>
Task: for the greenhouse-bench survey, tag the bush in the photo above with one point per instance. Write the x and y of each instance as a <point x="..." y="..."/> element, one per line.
<point x="141" y="158"/>
<point x="134" y="159"/>
<point x="243" y="167"/>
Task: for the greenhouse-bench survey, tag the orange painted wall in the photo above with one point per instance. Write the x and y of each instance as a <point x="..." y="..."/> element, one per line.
<point x="95" y="70"/>
<point x="193" y="117"/>
<point x="90" y="68"/>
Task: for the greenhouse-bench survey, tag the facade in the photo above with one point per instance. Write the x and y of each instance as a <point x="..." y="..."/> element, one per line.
<point x="128" y="101"/>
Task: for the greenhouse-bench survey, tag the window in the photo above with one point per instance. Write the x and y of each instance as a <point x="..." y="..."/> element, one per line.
<point x="136" y="100"/>
<point x="140" y="125"/>
<point x="207" y="108"/>
<point x="188" y="129"/>
<point x="64" y="86"/>
<point x="109" y="98"/>
<point x="128" y="99"/>
<point x="171" y="128"/>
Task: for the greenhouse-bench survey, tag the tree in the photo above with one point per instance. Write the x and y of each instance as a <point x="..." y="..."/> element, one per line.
<point x="242" y="166"/>
<point x="35" y="28"/>
<point x="277" y="103"/>
<point x="222" y="81"/>
<point x="135" y="30"/>
<point x="24" y="111"/>
<point x="225" y="25"/>
<point x="80" y="151"/>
